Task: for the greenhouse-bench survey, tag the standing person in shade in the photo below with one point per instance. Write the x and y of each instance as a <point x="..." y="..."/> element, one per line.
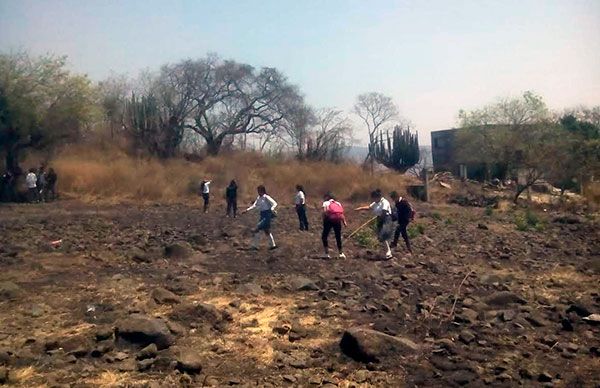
<point x="404" y="214"/>
<point x="382" y="209"/>
<point x="266" y="205"/>
<point x="31" y="182"/>
<point x="300" y="201"/>
<point x="41" y="183"/>
<point x="231" y="197"/>
<point x="205" y="191"/>
<point x="51" y="179"/>
<point x="333" y="218"/>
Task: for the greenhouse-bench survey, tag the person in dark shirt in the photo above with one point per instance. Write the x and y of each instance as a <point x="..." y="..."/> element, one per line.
<point x="51" y="179"/>
<point x="403" y="213"/>
<point x="231" y="197"/>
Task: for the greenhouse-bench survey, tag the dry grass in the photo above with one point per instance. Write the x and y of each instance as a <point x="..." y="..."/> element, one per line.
<point x="110" y="175"/>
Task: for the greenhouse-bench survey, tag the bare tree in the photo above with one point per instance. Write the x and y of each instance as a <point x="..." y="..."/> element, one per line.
<point x="375" y="110"/>
<point x="224" y="99"/>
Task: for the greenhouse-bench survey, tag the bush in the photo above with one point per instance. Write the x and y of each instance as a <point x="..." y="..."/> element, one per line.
<point x="367" y="238"/>
<point x="489" y="211"/>
<point x="415" y="230"/>
<point x="436" y="216"/>
<point x="528" y="220"/>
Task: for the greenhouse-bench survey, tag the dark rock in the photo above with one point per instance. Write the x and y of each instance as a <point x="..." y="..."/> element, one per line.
<point x="176" y="328"/>
<point x="566" y="324"/>
<point x="149" y="351"/>
<point x="145" y="364"/>
<point x="467" y="315"/>
<point x="140" y="256"/>
<point x="201" y="313"/>
<point x="508" y="315"/>
<point x="104" y="333"/>
<point x="504" y="298"/>
<point x="189" y="361"/>
<point x="545" y="377"/>
<point x="9" y="291"/>
<point x="482" y="226"/>
<point x="462" y="377"/>
<point x="102" y="347"/>
<point x="179" y="250"/>
<point x="3" y="375"/>
<point x="144" y="330"/>
<point x="371" y="346"/>
<point x="163" y="296"/>
<point x="579" y="309"/>
<point x="78" y="346"/>
<point x="301" y="283"/>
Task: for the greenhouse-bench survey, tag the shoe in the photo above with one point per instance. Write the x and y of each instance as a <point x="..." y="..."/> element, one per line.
<point x="326" y="257"/>
<point x="273" y="247"/>
<point x="388" y="255"/>
<point x="342" y="256"/>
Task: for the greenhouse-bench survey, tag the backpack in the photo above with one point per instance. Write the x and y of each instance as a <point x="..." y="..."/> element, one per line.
<point x="335" y="211"/>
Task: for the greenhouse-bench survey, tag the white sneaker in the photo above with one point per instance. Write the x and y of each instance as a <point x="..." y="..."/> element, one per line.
<point x="342" y="256"/>
<point x="388" y="255"/>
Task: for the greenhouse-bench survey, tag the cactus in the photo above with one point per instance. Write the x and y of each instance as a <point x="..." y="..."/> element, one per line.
<point x="400" y="151"/>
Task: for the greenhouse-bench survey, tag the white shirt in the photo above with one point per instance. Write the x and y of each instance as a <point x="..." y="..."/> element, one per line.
<point x="206" y="189"/>
<point x="326" y="204"/>
<point x="31" y="180"/>
<point x="300" y="198"/>
<point x="263" y="203"/>
<point x="381" y="207"/>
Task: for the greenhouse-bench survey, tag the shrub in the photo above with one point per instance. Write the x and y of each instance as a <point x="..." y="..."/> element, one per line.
<point x="415" y="230"/>
<point x="489" y="211"/>
<point x="528" y="220"/>
<point x="436" y="216"/>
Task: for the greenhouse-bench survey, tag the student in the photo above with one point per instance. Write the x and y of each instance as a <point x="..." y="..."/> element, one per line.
<point x="333" y="218"/>
<point x="51" y="179"/>
<point x="404" y="214"/>
<point x="300" y="201"/>
<point x="31" y="182"/>
<point x="41" y="183"/>
<point x="382" y="209"/>
<point x="231" y="197"/>
<point x="266" y="205"/>
<point x="205" y="190"/>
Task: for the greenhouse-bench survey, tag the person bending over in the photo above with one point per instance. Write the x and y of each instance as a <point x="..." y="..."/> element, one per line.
<point x="333" y="218"/>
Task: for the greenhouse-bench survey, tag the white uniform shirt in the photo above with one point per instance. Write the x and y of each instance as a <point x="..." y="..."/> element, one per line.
<point x="300" y="198"/>
<point x="263" y="203"/>
<point x="31" y="180"/>
<point x="206" y="188"/>
<point x="381" y="207"/>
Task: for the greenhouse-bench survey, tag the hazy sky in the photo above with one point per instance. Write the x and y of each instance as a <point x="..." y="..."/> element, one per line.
<point x="432" y="57"/>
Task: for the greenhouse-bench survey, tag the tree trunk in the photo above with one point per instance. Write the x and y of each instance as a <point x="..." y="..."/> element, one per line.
<point x="213" y="145"/>
<point x="520" y="190"/>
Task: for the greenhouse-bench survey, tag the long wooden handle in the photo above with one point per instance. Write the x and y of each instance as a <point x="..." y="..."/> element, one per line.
<point x="362" y="226"/>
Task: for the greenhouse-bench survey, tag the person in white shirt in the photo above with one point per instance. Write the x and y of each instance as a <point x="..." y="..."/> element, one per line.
<point x="300" y="201"/>
<point x="205" y="190"/>
<point x="383" y="211"/>
<point x="31" y="182"/>
<point x="266" y="206"/>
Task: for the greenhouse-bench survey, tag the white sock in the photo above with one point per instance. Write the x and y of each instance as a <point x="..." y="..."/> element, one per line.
<point x="387" y="246"/>
<point x="271" y="240"/>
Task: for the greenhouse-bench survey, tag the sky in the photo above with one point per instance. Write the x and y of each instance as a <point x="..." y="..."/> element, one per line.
<point x="433" y="57"/>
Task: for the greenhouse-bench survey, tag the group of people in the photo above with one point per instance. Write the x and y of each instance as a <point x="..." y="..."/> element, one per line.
<point x="41" y="185"/>
<point x="332" y="214"/>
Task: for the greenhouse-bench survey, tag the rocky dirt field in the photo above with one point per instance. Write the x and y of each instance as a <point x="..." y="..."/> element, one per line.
<point x="165" y="296"/>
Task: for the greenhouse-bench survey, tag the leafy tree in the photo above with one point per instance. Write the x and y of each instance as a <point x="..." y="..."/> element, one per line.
<point x="41" y="104"/>
<point x="517" y="133"/>
<point x="399" y="152"/>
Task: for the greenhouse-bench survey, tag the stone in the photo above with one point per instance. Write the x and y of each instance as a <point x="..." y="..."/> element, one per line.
<point x="545" y="377"/>
<point x="139" y="255"/>
<point x="301" y="283"/>
<point x="149" y="351"/>
<point x="144" y="330"/>
<point x="3" y="375"/>
<point x="189" y="361"/>
<point x="250" y="289"/>
<point x="508" y="315"/>
<point x="468" y="315"/>
<point x="466" y="336"/>
<point x="462" y="377"/>
<point x="200" y="313"/>
<point x="367" y="345"/>
<point x="9" y="291"/>
<point x="179" y="250"/>
<point x="579" y="309"/>
<point x="504" y="298"/>
<point x="164" y="296"/>
<point x="145" y="364"/>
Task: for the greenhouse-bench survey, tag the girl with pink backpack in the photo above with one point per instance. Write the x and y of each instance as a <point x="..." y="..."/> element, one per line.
<point x="333" y="218"/>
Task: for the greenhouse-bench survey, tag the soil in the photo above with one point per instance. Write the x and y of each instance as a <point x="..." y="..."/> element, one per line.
<point x="164" y="295"/>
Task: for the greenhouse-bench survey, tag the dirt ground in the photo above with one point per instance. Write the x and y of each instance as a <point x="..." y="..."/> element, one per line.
<point x="276" y="318"/>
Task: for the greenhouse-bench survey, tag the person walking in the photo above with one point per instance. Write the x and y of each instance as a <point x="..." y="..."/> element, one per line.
<point x="403" y="214"/>
<point x="383" y="211"/>
<point x="231" y="197"/>
<point x="205" y="191"/>
<point x="31" y="182"/>
<point x="333" y="218"/>
<point x="300" y="201"/>
<point x="51" y="180"/>
<point x="266" y="205"/>
<point x="41" y="184"/>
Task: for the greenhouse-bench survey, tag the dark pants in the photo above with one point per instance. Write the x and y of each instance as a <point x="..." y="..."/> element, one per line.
<point x="401" y="229"/>
<point x="206" y="198"/>
<point x="301" y="210"/>
<point x="50" y="192"/>
<point x="264" y="222"/>
<point x="232" y="206"/>
<point x="337" y="230"/>
<point x="33" y="194"/>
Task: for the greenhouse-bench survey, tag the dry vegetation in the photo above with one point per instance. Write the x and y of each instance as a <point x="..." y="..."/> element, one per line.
<point x="111" y="175"/>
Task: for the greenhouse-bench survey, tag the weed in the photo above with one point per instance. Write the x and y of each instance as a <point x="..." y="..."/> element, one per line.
<point x="448" y="221"/>
<point x="415" y="230"/>
<point x="528" y="220"/>
<point x="436" y="216"/>
<point x="489" y="211"/>
<point x="366" y="238"/>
